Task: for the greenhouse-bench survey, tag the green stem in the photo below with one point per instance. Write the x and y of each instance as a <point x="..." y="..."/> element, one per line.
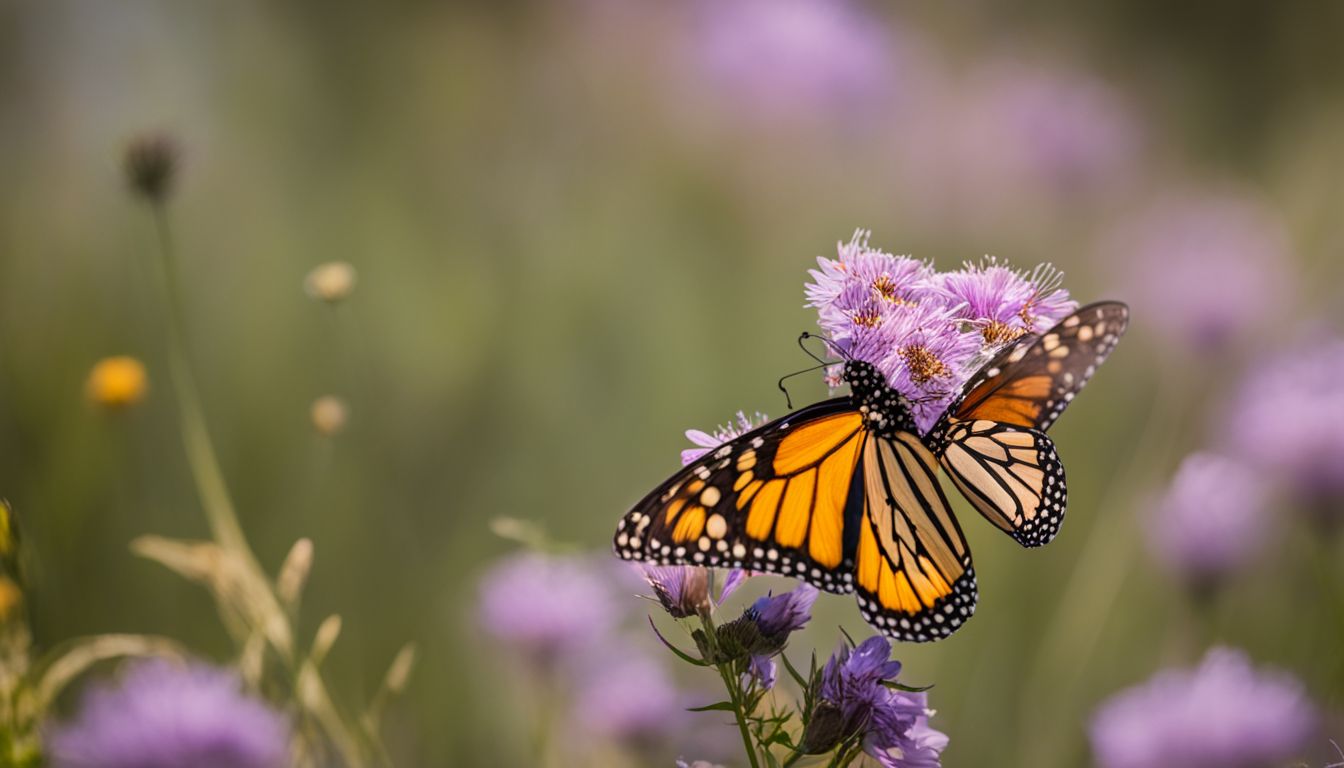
<point x="201" y="458"/>
<point x="738" y="712"/>
<point x="844" y="755"/>
<point x="730" y="682"/>
<point x="1098" y="577"/>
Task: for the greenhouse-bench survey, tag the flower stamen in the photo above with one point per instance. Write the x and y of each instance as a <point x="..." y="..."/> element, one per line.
<point x="923" y="364"/>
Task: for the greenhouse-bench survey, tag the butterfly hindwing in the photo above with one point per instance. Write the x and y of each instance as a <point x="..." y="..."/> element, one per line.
<point x="1011" y="474"/>
<point x="772" y="500"/>
<point x="912" y="566"/>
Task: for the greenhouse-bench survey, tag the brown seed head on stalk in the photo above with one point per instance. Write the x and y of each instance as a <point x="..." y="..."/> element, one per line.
<point x="151" y="163"/>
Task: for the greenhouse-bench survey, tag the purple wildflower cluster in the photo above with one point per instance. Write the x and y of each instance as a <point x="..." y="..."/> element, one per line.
<point x="853" y="701"/>
<point x="928" y="331"/>
<point x="1223" y="714"/>
<point x="164" y="715"/>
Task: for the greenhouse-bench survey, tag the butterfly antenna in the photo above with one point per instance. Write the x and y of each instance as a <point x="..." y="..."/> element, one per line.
<point x="788" y="400"/>
<point x="831" y="346"/>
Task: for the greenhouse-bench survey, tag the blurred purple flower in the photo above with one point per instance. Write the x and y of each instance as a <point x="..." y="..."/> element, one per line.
<point x="786" y="613"/>
<point x="629" y="697"/>
<point x="1205" y="271"/>
<point x="1056" y="130"/>
<point x="546" y="605"/>
<point x="1223" y="714"/>
<point x="1211" y="520"/>
<point x="792" y="60"/>
<point x="1288" y="416"/>
<point x="852" y="699"/>
<point x="163" y="715"/>
<point x="683" y="590"/>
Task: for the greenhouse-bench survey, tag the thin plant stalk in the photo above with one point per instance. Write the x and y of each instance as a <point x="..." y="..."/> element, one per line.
<point x="1098" y="577"/>
<point x="734" y="698"/>
<point x="214" y="493"/>
<point x="201" y="457"/>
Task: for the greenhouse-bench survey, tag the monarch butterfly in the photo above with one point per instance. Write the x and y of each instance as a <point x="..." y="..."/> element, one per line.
<point x="844" y="494"/>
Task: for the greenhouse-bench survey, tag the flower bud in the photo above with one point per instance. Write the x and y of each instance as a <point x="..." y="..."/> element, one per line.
<point x="825" y="729"/>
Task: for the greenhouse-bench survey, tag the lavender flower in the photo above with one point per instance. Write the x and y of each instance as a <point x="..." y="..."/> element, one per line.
<point x="852" y="701"/>
<point x="1002" y="303"/>
<point x="546" y="605"/>
<point x="926" y="332"/>
<point x="161" y="715"/>
<point x="1224" y="714"/>
<point x="1204" y="270"/>
<point x="1210" y="521"/>
<point x="1288" y="416"/>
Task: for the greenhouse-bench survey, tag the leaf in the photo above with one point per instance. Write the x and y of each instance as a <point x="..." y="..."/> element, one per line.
<point x="797" y="678"/>
<point x="718" y="706"/>
<point x="852" y="644"/>
<point x="909" y="688"/>
<point x="684" y="656"/>
<point x="69" y="660"/>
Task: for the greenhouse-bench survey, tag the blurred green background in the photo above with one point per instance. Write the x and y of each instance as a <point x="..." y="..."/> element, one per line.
<point x="574" y="242"/>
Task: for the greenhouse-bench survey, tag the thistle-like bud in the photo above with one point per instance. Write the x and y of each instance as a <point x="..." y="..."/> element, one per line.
<point x="151" y="163"/>
<point x="825" y="729"/>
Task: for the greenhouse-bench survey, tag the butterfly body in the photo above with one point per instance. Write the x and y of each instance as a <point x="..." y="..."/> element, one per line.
<point x="845" y="495"/>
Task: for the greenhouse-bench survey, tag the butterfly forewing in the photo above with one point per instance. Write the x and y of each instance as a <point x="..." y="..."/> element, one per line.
<point x="992" y="439"/>
<point x="772" y="500"/>
<point x="1031" y="383"/>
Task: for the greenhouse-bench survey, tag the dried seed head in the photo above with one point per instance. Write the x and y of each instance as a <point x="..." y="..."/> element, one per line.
<point x="329" y="415"/>
<point x="330" y="282"/>
<point x="151" y="163"/>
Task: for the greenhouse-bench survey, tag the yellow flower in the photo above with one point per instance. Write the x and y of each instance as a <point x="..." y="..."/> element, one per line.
<point x="10" y="597"/>
<point x="330" y="282"/>
<point x="117" y="382"/>
<point x="329" y="414"/>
